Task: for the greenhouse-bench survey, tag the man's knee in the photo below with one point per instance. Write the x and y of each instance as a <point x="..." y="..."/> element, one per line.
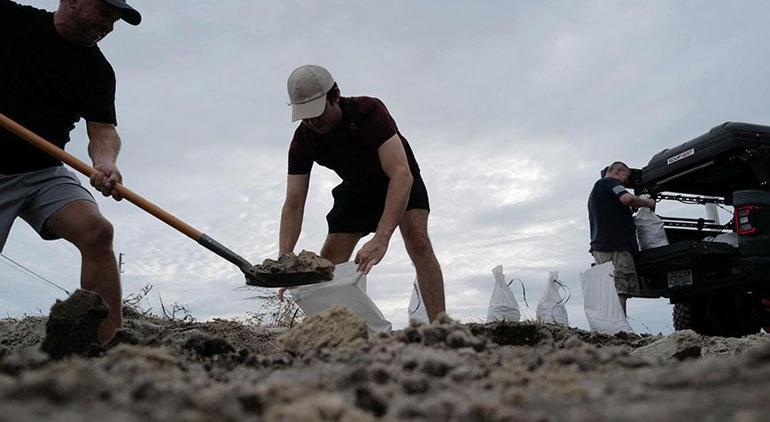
<point x="96" y="236"/>
<point x="338" y="247"/>
<point x="418" y="243"/>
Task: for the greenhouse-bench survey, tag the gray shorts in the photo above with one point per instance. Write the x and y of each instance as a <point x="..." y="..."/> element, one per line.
<point x="36" y="196"/>
<point x="626" y="280"/>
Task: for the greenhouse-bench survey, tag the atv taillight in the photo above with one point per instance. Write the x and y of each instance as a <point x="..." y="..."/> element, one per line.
<point x="743" y="223"/>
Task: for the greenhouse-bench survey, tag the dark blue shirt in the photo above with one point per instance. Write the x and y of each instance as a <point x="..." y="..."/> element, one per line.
<point x="612" y="223"/>
<point x="46" y="85"/>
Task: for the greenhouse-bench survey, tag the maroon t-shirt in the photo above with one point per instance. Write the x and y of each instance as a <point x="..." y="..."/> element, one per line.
<point x="351" y="148"/>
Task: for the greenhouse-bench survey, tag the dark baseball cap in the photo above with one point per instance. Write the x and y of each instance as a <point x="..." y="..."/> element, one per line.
<point x="130" y="14"/>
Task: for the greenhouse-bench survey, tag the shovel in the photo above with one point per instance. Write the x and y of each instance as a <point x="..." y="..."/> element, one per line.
<point x="254" y="277"/>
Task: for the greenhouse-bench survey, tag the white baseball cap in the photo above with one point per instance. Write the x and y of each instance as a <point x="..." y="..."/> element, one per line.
<point x="307" y="87"/>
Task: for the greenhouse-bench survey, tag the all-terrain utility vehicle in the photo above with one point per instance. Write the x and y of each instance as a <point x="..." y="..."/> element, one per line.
<point x="716" y="275"/>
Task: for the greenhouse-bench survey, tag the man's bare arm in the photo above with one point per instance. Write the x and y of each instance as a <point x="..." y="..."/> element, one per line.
<point x="396" y="167"/>
<point x="103" y="148"/>
<point x="293" y="212"/>
<point x="634" y="201"/>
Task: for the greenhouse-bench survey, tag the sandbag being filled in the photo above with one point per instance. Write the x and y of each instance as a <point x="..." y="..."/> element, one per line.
<point x="347" y="288"/>
<point x="649" y="230"/>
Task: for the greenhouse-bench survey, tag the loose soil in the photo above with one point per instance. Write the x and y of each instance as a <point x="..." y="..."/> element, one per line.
<point x="328" y="368"/>
<point x="305" y="262"/>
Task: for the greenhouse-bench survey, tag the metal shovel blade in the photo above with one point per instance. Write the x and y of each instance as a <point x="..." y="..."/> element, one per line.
<point x="283" y="279"/>
<point x="256" y="277"/>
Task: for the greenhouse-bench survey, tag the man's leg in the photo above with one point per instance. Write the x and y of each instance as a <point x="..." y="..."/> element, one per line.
<point x="623" y="299"/>
<point x="414" y="230"/>
<point x="12" y="198"/>
<point x="626" y="277"/>
<point x="81" y="223"/>
<point x="339" y="246"/>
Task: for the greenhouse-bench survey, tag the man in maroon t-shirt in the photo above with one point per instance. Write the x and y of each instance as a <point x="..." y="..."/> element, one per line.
<point x="381" y="185"/>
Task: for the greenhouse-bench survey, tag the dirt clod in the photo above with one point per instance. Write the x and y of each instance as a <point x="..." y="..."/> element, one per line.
<point x="207" y="345"/>
<point x="368" y="400"/>
<point x="73" y="325"/>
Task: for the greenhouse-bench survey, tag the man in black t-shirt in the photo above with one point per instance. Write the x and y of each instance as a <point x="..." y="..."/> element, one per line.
<point x="381" y="185"/>
<point x="52" y="75"/>
<point x="613" y="234"/>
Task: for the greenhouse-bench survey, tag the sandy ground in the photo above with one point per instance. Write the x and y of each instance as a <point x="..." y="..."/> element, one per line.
<point x="328" y="369"/>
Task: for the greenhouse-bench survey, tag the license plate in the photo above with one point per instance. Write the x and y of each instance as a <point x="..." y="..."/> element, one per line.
<point x="680" y="278"/>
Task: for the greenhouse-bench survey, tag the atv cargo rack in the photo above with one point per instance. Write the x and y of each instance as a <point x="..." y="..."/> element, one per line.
<point x="730" y="157"/>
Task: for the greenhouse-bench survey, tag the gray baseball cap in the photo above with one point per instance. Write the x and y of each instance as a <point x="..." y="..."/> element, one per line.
<point x="307" y="87"/>
<point x="130" y="14"/>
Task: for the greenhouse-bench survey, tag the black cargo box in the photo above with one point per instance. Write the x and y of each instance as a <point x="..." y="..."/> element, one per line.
<point x="730" y="157"/>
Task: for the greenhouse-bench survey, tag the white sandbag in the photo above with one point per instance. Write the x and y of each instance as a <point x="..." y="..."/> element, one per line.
<point x="649" y="230"/>
<point x="601" y="302"/>
<point x="551" y="307"/>
<point x="712" y="213"/>
<point x="731" y="239"/>
<point x="348" y="288"/>
<point x="502" y="304"/>
<point x="417" y="312"/>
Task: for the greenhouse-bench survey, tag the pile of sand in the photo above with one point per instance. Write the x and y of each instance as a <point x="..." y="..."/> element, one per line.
<point x="335" y="328"/>
<point x="688" y="344"/>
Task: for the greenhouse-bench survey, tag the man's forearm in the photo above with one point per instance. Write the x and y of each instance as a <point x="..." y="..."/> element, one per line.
<point x="637" y="202"/>
<point x="395" y="205"/>
<point x="104" y="149"/>
<point x="291" y="225"/>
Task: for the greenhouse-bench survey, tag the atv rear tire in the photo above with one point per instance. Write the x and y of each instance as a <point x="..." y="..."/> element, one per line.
<point x="724" y="316"/>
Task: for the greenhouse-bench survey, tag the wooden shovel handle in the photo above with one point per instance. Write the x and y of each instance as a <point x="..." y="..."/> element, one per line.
<point x="87" y="170"/>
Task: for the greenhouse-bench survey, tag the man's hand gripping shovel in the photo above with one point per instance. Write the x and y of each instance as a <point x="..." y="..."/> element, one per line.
<point x="254" y="275"/>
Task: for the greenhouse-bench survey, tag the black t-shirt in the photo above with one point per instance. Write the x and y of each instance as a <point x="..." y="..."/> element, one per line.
<point x="46" y="85"/>
<point x="612" y="223"/>
<point x="351" y="148"/>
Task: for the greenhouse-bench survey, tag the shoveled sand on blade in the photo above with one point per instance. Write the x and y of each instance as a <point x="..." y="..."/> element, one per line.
<point x="289" y="268"/>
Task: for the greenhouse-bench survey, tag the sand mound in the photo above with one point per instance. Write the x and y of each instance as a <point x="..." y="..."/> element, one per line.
<point x="688" y="344"/>
<point x="319" y="407"/>
<point x="327" y="369"/>
<point x="335" y="328"/>
<point x="253" y="339"/>
<point x="16" y="334"/>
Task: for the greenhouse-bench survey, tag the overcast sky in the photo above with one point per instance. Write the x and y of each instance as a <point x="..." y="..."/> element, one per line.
<point x="511" y="107"/>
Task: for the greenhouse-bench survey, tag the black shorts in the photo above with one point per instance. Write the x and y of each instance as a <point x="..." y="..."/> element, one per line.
<point x="358" y="210"/>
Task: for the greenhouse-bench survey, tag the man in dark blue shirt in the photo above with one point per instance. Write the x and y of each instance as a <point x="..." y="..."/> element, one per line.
<point x="613" y="234"/>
